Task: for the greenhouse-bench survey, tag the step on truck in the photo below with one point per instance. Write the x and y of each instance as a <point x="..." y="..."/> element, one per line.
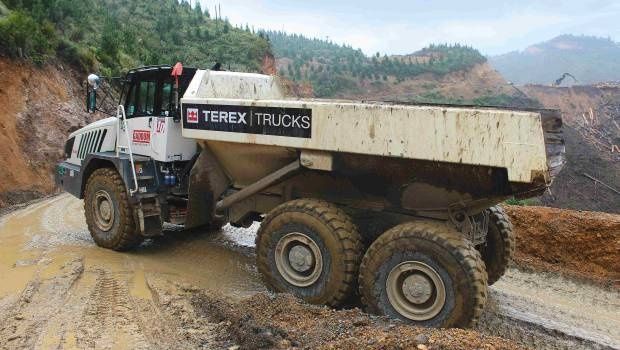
<point x="394" y="202"/>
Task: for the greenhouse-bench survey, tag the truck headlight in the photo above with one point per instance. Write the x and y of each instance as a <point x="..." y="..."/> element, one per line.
<point x="69" y="147"/>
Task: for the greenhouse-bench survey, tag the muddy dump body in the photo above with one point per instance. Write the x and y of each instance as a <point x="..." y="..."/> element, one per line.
<point x="422" y="160"/>
<point x="397" y="201"/>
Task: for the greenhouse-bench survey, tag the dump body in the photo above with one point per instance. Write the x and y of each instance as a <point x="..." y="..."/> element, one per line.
<point x="417" y="157"/>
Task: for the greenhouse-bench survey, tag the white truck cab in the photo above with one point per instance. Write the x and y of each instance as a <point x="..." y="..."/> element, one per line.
<point x="153" y="130"/>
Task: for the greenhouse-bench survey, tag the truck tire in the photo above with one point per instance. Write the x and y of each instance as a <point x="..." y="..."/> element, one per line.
<point x="108" y="212"/>
<point x="309" y="248"/>
<point x="424" y="273"/>
<point x="499" y="248"/>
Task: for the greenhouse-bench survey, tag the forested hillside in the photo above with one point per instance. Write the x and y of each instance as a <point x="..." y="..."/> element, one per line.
<point x="588" y="59"/>
<point x="333" y="68"/>
<point x="113" y="35"/>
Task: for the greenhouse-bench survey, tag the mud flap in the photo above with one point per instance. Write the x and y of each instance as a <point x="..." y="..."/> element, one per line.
<point x="207" y="182"/>
<point x="149" y="218"/>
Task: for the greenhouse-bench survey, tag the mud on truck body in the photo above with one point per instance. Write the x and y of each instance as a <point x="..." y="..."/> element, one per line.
<point x="395" y="201"/>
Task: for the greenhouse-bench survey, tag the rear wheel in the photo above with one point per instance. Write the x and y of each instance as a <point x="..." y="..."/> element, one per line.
<point x="424" y="273"/>
<point x="108" y="212"/>
<point x="499" y="248"/>
<point x="311" y="249"/>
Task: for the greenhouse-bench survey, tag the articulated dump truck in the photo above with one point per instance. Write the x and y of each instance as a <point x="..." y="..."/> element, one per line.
<point x="394" y="202"/>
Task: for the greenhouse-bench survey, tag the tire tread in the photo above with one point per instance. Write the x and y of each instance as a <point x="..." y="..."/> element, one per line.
<point x="457" y="245"/>
<point x="340" y="224"/>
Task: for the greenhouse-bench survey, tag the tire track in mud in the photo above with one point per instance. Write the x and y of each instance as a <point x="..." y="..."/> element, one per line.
<point x="180" y="326"/>
<point x="108" y="318"/>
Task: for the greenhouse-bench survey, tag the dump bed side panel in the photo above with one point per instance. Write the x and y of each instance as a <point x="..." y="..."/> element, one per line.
<point x="497" y="138"/>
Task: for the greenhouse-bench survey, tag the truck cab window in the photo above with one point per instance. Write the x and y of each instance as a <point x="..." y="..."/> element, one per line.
<point x="130" y="104"/>
<point x="146" y="98"/>
<point x="166" y="99"/>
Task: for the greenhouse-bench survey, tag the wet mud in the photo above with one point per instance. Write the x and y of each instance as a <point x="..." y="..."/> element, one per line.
<point x="192" y="289"/>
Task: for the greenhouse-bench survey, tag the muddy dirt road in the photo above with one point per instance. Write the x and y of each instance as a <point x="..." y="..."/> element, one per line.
<point x="58" y="290"/>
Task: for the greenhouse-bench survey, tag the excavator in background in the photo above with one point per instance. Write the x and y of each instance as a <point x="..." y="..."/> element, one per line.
<point x="559" y="80"/>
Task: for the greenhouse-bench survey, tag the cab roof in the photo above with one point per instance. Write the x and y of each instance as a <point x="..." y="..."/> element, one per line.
<point x="157" y="72"/>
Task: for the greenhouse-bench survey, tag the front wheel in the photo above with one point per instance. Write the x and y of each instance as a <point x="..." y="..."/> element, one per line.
<point x="108" y="211"/>
<point x="424" y="273"/>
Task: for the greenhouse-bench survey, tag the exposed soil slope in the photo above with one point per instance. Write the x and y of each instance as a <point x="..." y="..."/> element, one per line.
<point x="577" y="243"/>
<point x="38" y="107"/>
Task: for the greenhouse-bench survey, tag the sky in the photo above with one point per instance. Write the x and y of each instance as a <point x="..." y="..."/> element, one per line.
<point x="404" y="26"/>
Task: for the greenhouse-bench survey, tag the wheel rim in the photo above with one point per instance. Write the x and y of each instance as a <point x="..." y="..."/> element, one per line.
<point x="103" y="208"/>
<point x="416" y="290"/>
<point x="298" y="259"/>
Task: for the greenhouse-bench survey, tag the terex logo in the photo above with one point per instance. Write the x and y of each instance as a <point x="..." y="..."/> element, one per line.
<point x="260" y="120"/>
<point x="192" y="115"/>
<point x="141" y="136"/>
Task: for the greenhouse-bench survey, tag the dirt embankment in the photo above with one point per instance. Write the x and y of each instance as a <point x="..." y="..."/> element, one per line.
<point x="580" y="244"/>
<point x="284" y="322"/>
<point x="38" y="107"/>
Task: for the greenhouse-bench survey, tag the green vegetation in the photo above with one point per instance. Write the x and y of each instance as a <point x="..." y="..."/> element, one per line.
<point x="522" y="202"/>
<point x="3" y="9"/>
<point x="114" y="35"/>
<point x="507" y="101"/>
<point x="332" y="68"/>
<point x="589" y="59"/>
<point x="24" y="36"/>
<point x="499" y="100"/>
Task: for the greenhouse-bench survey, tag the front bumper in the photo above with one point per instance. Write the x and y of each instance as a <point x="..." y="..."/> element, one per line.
<point x="69" y="177"/>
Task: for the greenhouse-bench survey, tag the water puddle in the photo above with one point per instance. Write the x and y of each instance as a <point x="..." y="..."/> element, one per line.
<point x="54" y="232"/>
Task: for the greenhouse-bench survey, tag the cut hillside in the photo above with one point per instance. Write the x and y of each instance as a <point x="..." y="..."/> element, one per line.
<point x="589" y="59"/>
<point x="38" y="108"/>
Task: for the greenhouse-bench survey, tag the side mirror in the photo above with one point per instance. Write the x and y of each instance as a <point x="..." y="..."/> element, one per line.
<point x="91" y="93"/>
<point x="91" y="101"/>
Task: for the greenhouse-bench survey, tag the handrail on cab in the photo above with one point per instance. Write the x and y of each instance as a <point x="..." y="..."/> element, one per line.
<point x="120" y="112"/>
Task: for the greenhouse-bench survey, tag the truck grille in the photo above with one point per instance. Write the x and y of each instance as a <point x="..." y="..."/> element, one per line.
<point x="91" y="142"/>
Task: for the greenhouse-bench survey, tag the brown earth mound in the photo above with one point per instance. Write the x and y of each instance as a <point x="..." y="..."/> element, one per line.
<point x="284" y="322"/>
<point x="581" y="244"/>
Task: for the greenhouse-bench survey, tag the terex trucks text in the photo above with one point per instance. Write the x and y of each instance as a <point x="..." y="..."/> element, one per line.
<point x="396" y="202"/>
